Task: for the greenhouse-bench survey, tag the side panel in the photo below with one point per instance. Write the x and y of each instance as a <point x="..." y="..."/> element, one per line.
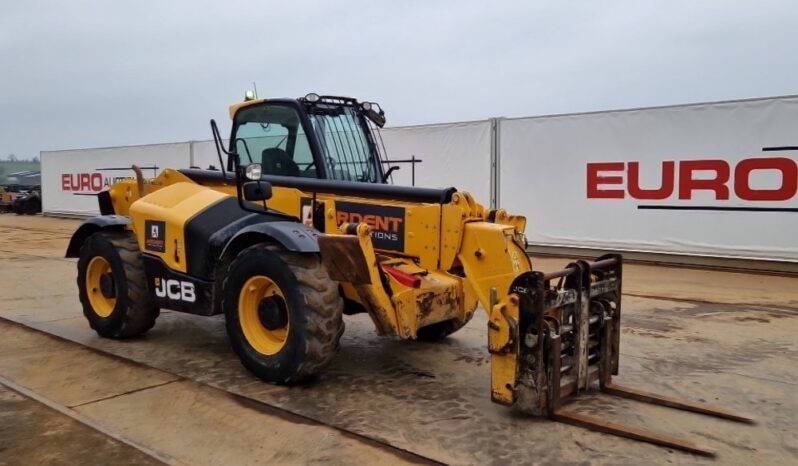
<point x="188" y="226"/>
<point x="407" y="228"/>
<point x="209" y="231"/>
<point x="160" y="217"/>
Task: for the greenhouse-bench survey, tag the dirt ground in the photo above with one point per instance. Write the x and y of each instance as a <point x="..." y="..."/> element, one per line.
<point x="31" y="433"/>
<point x="180" y="396"/>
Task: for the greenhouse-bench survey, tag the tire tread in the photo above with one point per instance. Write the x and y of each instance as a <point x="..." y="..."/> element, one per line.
<point x="323" y="305"/>
<point x="141" y="311"/>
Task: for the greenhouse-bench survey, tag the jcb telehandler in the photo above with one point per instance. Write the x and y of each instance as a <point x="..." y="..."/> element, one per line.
<point x="299" y="226"/>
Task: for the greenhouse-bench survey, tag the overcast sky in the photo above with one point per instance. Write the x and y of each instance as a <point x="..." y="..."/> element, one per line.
<point x="77" y="74"/>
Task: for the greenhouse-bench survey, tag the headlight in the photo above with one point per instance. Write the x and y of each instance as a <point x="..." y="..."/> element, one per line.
<point x="312" y="98"/>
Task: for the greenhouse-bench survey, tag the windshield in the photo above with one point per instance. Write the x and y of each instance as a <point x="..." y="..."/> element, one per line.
<point x="344" y="143"/>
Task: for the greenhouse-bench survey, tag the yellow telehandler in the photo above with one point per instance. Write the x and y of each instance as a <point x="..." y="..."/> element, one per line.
<point x="299" y="226"/>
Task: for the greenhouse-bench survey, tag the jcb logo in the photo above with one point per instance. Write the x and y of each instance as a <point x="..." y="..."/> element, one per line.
<point x="175" y="290"/>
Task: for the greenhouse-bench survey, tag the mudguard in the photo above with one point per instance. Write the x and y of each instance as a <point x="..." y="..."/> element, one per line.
<point x="293" y="236"/>
<point x="91" y="226"/>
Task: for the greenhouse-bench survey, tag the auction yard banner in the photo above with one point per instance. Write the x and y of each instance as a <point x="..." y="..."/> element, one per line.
<point x="716" y="179"/>
<point x="71" y="179"/>
<point x="205" y="156"/>
<point x="454" y="154"/>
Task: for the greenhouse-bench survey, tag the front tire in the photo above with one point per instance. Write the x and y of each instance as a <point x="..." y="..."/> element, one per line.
<point x="112" y="286"/>
<point x="283" y="313"/>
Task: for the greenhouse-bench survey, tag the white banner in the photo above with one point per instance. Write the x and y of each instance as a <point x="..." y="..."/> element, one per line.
<point x="71" y="179"/>
<point x="204" y="155"/>
<point x="456" y="154"/>
<point x="690" y="179"/>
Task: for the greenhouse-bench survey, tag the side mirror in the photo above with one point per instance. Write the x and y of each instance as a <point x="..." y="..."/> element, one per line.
<point x="257" y="190"/>
<point x="374" y="113"/>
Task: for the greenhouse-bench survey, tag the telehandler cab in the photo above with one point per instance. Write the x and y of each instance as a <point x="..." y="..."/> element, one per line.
<point x="299" y="226"/>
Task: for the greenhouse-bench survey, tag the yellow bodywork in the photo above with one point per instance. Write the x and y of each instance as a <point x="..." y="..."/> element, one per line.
<point x="459" y="256"/>
<point x="173" y="206"/>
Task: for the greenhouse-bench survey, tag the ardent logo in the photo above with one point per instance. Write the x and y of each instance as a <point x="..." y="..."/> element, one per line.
<point x="387" y="223"/>
<point x="377" y="222"/>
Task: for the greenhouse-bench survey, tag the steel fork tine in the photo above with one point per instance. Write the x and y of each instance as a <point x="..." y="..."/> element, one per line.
<point x="644" y="396"/>
<point x="636" y="433"/>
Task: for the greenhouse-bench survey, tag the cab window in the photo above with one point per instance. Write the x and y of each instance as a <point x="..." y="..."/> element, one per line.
<point x="272" y="135"/>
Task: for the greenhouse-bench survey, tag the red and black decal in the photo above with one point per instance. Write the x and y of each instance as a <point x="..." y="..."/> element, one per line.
<point x="387" y="223"/>
<point x="154" y="236"/>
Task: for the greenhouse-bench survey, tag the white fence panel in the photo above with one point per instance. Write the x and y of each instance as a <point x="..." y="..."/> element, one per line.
<point x="456" y="154"/>
<point x="71" y="179"/>
<point x="203" y="154"/>
<point x="690" y="179"/>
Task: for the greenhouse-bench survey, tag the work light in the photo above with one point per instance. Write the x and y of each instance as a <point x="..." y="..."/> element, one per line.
<point x="253" y="171"/>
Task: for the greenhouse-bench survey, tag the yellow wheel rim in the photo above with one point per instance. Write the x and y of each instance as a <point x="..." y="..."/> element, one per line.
<point x="103" y="306"/>
<point x="261" y="291"/>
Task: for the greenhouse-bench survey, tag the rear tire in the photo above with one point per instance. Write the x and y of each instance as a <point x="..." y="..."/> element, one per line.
<point x="300" y="338"/>
<point x="32" y="207"/>
<point x="131" y="311"/>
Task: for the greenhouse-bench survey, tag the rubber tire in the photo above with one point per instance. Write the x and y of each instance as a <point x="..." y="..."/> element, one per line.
<point x="135" y="310"/>
<point x="315" y="310"/>
<point x="440" y="330"/>
<point x="32" y="207"/>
